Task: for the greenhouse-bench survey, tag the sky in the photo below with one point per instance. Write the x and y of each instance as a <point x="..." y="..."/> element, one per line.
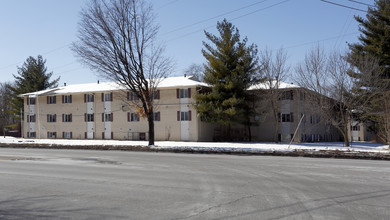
<point x="48" y="27"/>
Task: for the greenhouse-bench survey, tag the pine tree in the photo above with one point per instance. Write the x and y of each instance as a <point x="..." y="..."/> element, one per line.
<point x="372" y="87"/>
<point x="230" y="70"/>
<point x="31" y="77"/>
<point x="374" y="38"/>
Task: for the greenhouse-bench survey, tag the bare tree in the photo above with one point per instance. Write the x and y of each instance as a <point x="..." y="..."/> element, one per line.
<point x="333" y="91"/>
<point x="196" y="70"/>
<point x="6" y="117"/>
<point x="274" y="71"/>
<point x="117" y="38"/>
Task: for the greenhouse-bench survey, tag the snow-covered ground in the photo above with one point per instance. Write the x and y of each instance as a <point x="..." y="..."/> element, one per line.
<point x="356" y="146"/>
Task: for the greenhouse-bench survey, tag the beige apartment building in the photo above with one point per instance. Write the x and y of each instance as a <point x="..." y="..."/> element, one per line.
<point x="107" y="111"/>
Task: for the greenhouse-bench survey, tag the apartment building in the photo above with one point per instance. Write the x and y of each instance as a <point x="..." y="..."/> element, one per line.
<point x="108" y="111"/>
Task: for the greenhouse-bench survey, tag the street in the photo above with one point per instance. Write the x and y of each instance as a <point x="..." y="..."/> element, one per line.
<point x="80" y="184"/>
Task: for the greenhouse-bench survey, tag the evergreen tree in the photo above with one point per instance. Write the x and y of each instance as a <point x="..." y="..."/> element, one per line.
<point x="374" y="38"/>
<point x="372" y="86"/>
<point x="31" y="77"/>
<point x="230" y="70"/>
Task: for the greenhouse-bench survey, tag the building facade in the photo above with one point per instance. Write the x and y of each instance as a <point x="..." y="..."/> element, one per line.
<point x="107" y="111"/>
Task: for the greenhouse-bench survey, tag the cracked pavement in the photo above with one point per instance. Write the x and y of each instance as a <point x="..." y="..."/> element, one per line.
<point x="80" y="184"/>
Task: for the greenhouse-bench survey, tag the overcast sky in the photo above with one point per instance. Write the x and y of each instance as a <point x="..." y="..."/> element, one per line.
<point x="48" y="27"/>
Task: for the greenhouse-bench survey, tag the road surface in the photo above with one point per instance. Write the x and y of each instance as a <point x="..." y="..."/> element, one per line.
<point x="78" y="184"/>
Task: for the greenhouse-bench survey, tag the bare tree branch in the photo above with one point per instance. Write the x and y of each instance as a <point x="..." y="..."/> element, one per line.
<point x="117" y="38"/>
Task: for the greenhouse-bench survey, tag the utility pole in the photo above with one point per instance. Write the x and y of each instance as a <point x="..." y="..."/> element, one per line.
<point x="2" y="111"/>
<point x="21" y="123"/>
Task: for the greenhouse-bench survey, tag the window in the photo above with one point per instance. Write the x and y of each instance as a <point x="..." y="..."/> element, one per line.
<point x="286" y="117"/>
<point x="302" y="96"/>
<point x="89" y="98"/>
<point x="67" y="117"/>
<point x="51" y="100"/>
<point x="67" y="135"/>
<point x="355" y="128"/>
<point x="156" y="94"/>
<point x="183" y="93"/>
<point x="51" y="134"/>
<point x="287" y="95"/>
<point x="132" y="116"/>
<point x="184" y="116"/>
<point x="132" y="96"/>
<point x="89" y="117"/>
<point x="51" y="118"/>
<point x="31" y="134"/>
<point x="31" y="118"/>
<point x="107" y="97"/>
<point x="67" y="99"/>
<point x="108" y="117"/>
<point x="156" y="116"/>
<point x="31" y="101"/>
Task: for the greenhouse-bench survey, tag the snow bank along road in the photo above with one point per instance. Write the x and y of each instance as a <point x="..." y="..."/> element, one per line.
<point x="79" y="184"/>
<point x="362" y="150"/>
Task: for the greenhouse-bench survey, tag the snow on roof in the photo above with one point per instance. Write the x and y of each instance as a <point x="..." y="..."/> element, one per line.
<point x="266" y="85"/>
<point x="169" y="82"/>
<point x="177" y="81"/>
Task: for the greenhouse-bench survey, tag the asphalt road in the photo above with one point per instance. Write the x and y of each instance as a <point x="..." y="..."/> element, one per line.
<point x="78" y="184"/>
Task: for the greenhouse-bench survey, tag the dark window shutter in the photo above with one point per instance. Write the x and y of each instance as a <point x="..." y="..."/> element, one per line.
<point x="63" y="117"/>
<point x="85" y="116"/>
<point x="177" y="93"/>
<point x="189" y="115"/>
<point x="292" y="116"/>
<point x="178" y="115"/>
<point x="85" y="98"/>
<point x="189" y="92"/>
<point x="27" y="100"/>
<point x="47" y="134"/>
<point x="47" y="99"/>
<point x="158" y="94"/>
<point x="278" y="117"/>
<point x="71" y="135"/>
<point x="28" y="118"/>
<point x="55" y="117"/>
<point x="158" y="116"/>
<point x="63" y="134"/>
<point x="111" y="97"/>
<point x="102" y="97"/>
<point x="55" y="99"/>
<point x="47" y="117"/>
<point x="128" y="116"/>
<point x="128" y="96"/>
<point x="70" y="117"/>
<point x="102" y="116"/>
<point x="70" y="98"/>
<point x="112" y="135"/>
<point x="112" y="116"/>
<point x="103" y="135"/>
<point x="63" y="98"/>
<point x="85" y="135"/>
<point x="138" y="117"/>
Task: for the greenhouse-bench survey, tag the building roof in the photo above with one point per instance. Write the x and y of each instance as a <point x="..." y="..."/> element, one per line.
<point x="281" y="85"/>
<point x="169" y="82"/>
